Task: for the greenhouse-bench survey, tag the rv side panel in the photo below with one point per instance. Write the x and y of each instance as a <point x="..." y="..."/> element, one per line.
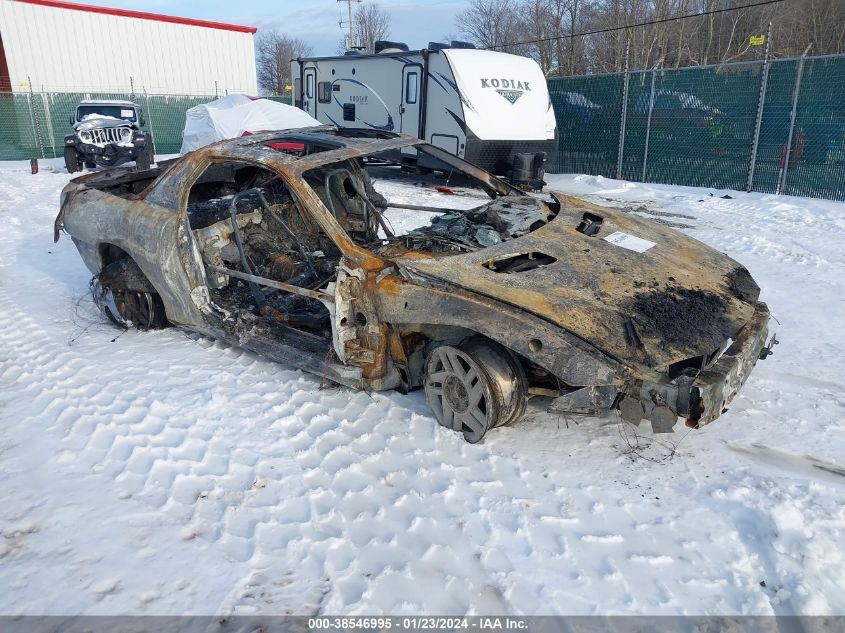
<point x="364" y="92"/>
<point x="480" y="105"/>
<point x="445" y="125"/>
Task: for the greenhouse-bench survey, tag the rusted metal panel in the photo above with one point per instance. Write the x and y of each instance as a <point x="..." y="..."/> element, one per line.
<point x="719" y="384"/>
<point x="409" y="304"/>
<point x="595" y="288"/>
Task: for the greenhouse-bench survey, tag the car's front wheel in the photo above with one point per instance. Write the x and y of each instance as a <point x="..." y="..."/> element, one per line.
<point x="475" y="387"/>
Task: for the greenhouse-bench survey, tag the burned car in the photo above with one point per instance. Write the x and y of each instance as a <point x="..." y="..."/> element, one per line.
<point x="280" y="244"/>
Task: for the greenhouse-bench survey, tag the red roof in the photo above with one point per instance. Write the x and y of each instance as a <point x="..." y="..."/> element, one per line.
<point x="141" y="15"/>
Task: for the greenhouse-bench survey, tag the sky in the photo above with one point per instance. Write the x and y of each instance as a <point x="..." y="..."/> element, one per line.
<point x="415" y="22"/>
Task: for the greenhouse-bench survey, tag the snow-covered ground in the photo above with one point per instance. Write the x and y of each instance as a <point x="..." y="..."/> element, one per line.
<point x="164" y="473"/>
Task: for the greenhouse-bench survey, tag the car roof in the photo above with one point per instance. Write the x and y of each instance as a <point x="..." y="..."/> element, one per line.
<point x="107" y="102"/>
<point x="350" y="142"/>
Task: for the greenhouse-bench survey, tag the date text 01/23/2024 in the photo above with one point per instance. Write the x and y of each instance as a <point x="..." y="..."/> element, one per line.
<point x="421" y="623"/>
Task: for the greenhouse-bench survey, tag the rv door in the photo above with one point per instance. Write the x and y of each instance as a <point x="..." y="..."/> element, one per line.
<point x="409" y="109"/>
<point x="309" y="96"/>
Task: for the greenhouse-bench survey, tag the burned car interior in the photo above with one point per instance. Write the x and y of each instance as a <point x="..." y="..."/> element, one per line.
<point x="244" y="218"/>
<point x="492" y="297"/>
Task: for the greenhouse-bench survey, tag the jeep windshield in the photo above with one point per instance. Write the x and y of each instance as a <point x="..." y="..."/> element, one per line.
<point x="126" y="113"/>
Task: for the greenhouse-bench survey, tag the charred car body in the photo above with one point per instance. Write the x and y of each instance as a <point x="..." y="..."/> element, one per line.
<point x="288" y="253"/>
<point x="108" y="133"/>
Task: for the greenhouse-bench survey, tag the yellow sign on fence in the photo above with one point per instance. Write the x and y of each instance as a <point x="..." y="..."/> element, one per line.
<point x="757" y="40"/>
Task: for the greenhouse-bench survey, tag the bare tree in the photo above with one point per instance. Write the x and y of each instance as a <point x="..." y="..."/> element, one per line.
<point x="559" y="10"/>
<point x="537" y="22"/>
<point x="490" y="23"/>
<point x="370" y="23"/>
<point x="273" y="54"/>
<point x="547" y="30"/>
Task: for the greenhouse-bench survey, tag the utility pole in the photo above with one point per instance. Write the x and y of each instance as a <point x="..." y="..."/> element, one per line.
<point x="625" y="84"/>
<point x="350" y="24"/>
<point x="761" y="102"/>
<point x="658" y="65"/>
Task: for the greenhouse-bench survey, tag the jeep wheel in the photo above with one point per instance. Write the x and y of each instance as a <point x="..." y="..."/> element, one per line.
<point x="71" y="160"/>
<point x="474" y="388"/>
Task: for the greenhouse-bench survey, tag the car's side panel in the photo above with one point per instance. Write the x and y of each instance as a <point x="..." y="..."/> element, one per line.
<point x="408" y="304"/>
<point x="147" y="233"/>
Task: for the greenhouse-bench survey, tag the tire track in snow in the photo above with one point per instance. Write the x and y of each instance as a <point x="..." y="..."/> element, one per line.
<point x="128" y="434"/>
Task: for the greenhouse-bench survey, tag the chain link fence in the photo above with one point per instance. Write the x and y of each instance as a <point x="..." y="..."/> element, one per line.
<point x="34" y="124"/>
<point x="687" y="126"/>
<point x="699" y="126"/>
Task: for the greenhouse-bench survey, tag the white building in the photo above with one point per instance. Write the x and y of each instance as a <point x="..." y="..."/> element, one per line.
<point x="54" y="46"/>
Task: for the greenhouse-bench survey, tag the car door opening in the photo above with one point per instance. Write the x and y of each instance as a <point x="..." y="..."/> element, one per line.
<point x="263" y="257"/>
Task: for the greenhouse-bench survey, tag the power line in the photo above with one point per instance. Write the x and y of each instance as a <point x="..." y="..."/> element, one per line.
<point x="649" y="23"/>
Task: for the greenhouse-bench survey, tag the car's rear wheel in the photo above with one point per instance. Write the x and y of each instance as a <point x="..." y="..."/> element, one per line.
<point x="71" y="160"/>
<point x="130" y="308"/>
<point x="474" y="388"/>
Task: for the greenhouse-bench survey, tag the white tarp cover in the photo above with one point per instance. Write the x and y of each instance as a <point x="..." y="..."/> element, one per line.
<point x="234" y="115"/>
<point x="504" y="96"/>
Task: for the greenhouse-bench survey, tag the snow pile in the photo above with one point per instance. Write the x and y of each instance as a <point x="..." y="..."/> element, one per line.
<point x="95" y="119"/>
<point x="166" y="473"/>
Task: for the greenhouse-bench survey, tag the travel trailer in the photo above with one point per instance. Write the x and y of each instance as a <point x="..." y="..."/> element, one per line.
<point x="490" y="108"/>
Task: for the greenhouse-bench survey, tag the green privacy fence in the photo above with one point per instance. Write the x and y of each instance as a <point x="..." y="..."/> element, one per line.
<point x="33" y="125"/>
<point x="699" y="126"/>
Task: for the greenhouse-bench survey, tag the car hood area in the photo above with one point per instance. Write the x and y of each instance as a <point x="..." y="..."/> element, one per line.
<point x="640" y="291"/>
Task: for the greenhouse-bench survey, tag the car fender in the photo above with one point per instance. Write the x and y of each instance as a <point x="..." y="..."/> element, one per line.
<point x="407" y="304"/>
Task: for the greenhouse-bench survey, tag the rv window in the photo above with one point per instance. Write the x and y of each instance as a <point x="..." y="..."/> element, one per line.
<point x="297" y="91"/>
<point x="324" y="91"/>
<point x="411" y="88"/>
<point x="309" y="86"/>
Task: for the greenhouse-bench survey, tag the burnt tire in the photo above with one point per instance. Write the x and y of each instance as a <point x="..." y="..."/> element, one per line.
<point x="72" y="160"/>
<point x="130" y="308"/>
<point x="474" y="388"/>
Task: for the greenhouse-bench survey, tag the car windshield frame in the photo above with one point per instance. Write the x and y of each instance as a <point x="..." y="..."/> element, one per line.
<point x="493" y="186"/>
<point x="112" y="110"/>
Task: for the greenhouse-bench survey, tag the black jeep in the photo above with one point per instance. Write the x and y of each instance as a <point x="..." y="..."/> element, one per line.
<point x="108" y="133"/>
